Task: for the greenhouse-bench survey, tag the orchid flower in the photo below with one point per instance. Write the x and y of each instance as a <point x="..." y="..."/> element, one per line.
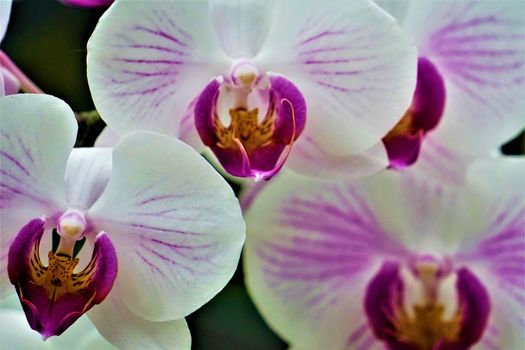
<point x="147" y="230"/>
<point x="469" y="98"/>
<point x="247" y="79"/>
<point x="391" y="261"/>
<point x="14" y="333"/>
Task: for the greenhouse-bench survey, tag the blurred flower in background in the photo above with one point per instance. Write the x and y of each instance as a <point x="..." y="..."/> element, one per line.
<point x="177" y="233"/>
<point x="391" y="260"/>
<point x="471" y="77"/>
<point x="334" y="76"/>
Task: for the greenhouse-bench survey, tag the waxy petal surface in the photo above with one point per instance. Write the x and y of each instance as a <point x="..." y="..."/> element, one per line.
<point x="310" y="247"/>
<point x="497" y="246"/>
<point x="176" y="225"/>
<point x="37" y="135"/>
<point x="135" y="332"/>
<point x="87" y="174"/>
<point x="354" y="66"/>
<point x="242" y="26"/>
<point x="309" y="157"/>
<point x="148" y="60"/>
<point x="479" y="47"/>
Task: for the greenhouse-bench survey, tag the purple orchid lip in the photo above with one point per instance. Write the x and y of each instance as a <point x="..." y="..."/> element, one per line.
<point x="54" y="297"/>
<point x="425" y="327"/>
<point x="404" y="141"/>
<point x="249" y="146"/>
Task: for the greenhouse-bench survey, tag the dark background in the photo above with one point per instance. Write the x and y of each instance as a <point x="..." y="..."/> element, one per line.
<point x="47" y="40"/>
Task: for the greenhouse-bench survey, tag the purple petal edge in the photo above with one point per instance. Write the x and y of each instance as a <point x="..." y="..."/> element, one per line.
<point x="474" y="303"/>
<point x="426" y="111"/>
<point x="44" y="315"/>
<point x="266" y="161"/>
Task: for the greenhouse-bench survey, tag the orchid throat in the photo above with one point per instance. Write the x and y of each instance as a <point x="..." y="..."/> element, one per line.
<point x="55" y="296"/>
<point x="250" y="121"/>
<point x="408" y="308"/>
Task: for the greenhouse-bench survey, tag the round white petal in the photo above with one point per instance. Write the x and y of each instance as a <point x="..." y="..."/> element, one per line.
<point x="124" y="329"/>
<point x="175" y="223"/>
<point x="479" y="48"/>
<point x="350" y="59"/>
<point x="147" y="60"/>
<point x="37" y="135"/>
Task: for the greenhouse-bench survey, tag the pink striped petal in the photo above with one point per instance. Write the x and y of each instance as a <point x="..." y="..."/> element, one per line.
<point x="311" y="247"/>
<point x="176" y="225"/>
<point x="498" y="248"/>
<point x="479" y="48"/>
<point x="148" y="60"/>
<point x="354" y="66"/>
<point x="38" y="133"/>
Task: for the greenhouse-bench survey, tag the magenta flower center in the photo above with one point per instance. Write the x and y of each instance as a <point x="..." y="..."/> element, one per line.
<point x="55" y="296"/>
<point x="407" y="309"/>
<point x="250" y="120"/>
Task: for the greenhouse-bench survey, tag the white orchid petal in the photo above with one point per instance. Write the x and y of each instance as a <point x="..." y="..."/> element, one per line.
<point x="176" y="225"/>
<point x="107" y="138"/>
<point x="309" y="158"/>
<point x="242" y="26"/>
<point x="397" y="8"/>
<point x="124" y="329"/>
<point x="354" y="66"/>
<point x="438" y="162"/>
<point x="148" y="60"/>
<point x="310" y="241"/>
<point x="87" y="174"/>
<point x="38" y="133"/>
<point x="497" y="246"/>
<point x="5" y="13"/>
<point x="311" y="248"/>
<point x="479" y="48"/>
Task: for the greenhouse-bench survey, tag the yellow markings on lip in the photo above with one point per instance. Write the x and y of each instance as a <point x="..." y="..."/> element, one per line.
<point x="426" y="326"/>
<point x="404" y="127"/>
<point x="58" y="277"/>
<point x="246" y="129"/>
